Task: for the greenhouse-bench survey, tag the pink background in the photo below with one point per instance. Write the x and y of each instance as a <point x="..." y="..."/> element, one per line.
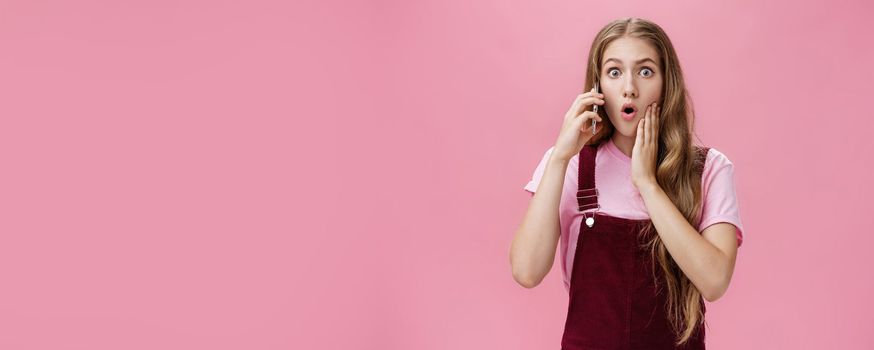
<point x="329" y="175"/>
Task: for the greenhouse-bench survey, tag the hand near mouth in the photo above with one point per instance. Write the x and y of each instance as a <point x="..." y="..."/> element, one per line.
<point x="646" y="147"/>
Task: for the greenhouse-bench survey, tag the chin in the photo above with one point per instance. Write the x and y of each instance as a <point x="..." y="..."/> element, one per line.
<point x="627" y="129"/>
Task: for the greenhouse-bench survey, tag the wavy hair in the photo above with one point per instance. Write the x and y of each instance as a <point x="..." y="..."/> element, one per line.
<point x="677" y="163"/>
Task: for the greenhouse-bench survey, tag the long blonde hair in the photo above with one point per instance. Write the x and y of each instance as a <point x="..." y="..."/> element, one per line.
<point x="677" y="166"/>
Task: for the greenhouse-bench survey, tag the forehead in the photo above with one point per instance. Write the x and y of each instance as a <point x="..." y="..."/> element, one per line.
<point x="630" y="50"/>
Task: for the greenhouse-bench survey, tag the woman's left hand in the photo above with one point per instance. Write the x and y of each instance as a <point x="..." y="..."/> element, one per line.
<point x="646" y="147"/>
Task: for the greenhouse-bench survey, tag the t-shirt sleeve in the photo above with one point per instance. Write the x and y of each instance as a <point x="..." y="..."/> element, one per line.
<point x="538" y="172"/>
<point x="720" y="198"/>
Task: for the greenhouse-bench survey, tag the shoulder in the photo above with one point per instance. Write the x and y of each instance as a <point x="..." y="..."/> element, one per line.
<point x="718" y="171"/>
<point x="716" y="160"/>
<point x="546" y="155"/>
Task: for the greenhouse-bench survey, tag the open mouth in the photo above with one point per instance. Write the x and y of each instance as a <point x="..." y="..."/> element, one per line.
<point x="628" y="112"/>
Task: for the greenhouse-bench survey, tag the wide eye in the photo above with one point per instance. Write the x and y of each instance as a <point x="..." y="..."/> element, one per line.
<point x="646" y="72"/>
<point x="610" y="72"/>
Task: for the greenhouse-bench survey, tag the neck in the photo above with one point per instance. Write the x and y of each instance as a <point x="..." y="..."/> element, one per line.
<point x="624" y="143"/>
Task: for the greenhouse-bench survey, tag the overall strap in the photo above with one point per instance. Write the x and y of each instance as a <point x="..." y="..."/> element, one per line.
<point x="702" y="157"/>
<point x="587" y="194"/>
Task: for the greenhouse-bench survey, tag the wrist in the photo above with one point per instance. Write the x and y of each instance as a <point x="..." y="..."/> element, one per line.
<point x="555" y="158"/>
<point x="648" y="188"/>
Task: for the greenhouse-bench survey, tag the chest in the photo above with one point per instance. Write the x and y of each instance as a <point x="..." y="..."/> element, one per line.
<point x="617" y="195"/>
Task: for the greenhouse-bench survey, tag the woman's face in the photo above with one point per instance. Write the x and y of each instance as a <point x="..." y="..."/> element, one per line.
<point x="630" y="77"/>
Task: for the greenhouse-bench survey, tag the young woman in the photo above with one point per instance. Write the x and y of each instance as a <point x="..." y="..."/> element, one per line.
<point x="648" y="222"/>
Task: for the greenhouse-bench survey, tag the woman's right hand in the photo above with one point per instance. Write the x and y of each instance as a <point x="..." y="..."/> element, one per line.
<point x="577" y="127"/>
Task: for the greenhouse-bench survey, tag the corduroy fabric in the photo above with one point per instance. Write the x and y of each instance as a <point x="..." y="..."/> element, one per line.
<point x="615" y="302"/>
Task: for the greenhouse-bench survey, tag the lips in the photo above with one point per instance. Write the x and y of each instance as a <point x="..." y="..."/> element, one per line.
<point x="628" y="111"/>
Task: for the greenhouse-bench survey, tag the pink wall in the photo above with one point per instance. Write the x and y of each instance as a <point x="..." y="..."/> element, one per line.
<point x="326" y="175"/>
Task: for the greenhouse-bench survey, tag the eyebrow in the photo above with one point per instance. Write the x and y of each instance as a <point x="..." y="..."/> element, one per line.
<point x="638" y="61"/>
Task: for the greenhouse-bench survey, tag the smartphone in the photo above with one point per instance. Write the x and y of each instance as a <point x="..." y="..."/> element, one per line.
<point x="595" y="109"/>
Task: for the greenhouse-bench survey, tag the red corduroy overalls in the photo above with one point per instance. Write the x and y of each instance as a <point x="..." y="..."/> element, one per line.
<point x="614" y="302"/>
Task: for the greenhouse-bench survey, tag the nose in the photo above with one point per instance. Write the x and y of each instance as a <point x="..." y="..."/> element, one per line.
<point x="629" y="90"/>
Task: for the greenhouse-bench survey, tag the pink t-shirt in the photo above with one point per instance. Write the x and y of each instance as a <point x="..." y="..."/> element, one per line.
<point x="619" y="197"/>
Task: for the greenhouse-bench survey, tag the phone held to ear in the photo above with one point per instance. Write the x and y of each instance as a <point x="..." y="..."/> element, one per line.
<point x="595" y="109"/>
